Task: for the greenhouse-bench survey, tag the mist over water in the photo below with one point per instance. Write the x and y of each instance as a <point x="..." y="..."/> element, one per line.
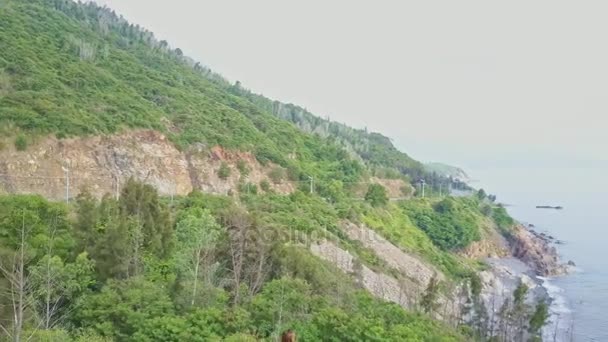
<point x="582" y="297"/>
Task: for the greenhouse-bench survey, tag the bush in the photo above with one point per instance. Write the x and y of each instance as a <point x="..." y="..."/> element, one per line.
<point x="265" y="185"/>
<point x="376" y="195"/>
<point x="486" y="210"/>
<point x="248" y="188"/>
<point x="502" y="219"/>
<point x="21" y="143"/>
<point x="452" y="223"/>
<point x="277" y="174"/>
<point x="241" y="165"/>
<point x="224" y="171"/>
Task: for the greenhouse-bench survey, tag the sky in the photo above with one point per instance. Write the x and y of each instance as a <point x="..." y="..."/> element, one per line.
<point x="471" y="83"/>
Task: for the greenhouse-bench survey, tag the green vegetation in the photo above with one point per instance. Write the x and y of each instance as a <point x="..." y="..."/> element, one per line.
<point x="397" y="227"/>
<point x="502" y="219"/>
<point x="77" y="69"/>
<point x="265" y="185"/>
<point x="136" y="269"/>
<point x="21" y="142"/>
<point x="451" y="223"/>
<point x="276" y="175"/>
<point x="241" y="165"/>
<point x="89" y="71"/>
<point x="224" y="171"/>
<point x="376" y="195"/>
<point x="202" y="267"/>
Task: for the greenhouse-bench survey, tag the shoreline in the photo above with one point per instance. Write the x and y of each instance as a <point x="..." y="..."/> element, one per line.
<point x="533" y="259"/>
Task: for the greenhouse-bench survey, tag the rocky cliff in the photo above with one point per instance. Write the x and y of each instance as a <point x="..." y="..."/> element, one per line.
<point x="103" y="163"/>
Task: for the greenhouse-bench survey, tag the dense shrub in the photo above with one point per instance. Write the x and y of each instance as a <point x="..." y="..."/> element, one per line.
<point x="376" y="195"/>
<point x="224" y="171"/>
<point x="451" y="223"/>
<point x="21" y="142"/>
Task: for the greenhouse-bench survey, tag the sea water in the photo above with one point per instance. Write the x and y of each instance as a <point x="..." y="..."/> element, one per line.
<point x="579" y="309"/>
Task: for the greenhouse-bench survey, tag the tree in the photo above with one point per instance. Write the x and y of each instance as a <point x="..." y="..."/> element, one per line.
<point x="428" y="301"/>
<point x="249" y="249"/>
<point x="539" y="318"/>
<point x="55" y="284"/>
<point x="520" y="309"/>
<point x="376" y="195"/>
<point x="481" y="194"/>
<point x="197" y="236"/>
<point x="142" y="204"/>
<point x="14" y="270"/>
<point x="121" y="307"/>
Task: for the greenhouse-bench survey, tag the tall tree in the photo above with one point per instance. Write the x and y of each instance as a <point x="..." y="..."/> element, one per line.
<point x="197" y="234"/>
<point x="141" y="201"/>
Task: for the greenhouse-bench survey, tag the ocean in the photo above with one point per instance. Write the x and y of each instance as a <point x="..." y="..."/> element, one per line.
<point x="579" y="311"/>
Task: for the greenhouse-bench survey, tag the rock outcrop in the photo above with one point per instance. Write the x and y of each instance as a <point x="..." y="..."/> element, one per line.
<point x="103" y="163"/>
<point x="407" y="264"/>
<point x="537" y="252"/>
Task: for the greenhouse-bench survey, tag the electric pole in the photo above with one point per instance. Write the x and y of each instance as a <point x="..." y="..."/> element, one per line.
<point x="117" y="187"/>
<point x="66" y="169"/>
<point x="312" y="180"/>
<point x="422" y="184"/>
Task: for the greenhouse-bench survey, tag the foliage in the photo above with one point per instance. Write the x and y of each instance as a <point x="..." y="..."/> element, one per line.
<point x="539" y="318"/>
<point x="376" y="195"/>
<point x="123" y="291"/>
<point x="393" y="223"/>
<point x="21" y="142"/>
<point x="276" y="175"/>
<point x="451" y="223"/>
<point x="502" y="219"/>
<point x="208" y="267"/>
<point x="224" y="171"/>
<point x="428" y="301"/>
<point x="241" y="165"/>
<point x="481" y="194"/>
<point x="265" y="185"/>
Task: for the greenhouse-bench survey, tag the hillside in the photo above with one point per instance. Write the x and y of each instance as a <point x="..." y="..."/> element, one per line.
<point x="111" y="75"/>
<point x="144" y="198"/>
<point x="445" y="170"/>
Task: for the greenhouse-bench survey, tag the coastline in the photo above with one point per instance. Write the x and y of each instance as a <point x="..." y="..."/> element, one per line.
<point x="533" y="259"/>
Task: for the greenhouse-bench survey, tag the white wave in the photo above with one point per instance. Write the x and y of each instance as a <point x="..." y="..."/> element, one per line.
<point x="560" y="318"/>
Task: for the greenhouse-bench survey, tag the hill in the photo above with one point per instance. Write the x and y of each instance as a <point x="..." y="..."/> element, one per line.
<point x="74" y="70"/>
<point x="445" y="170"/>
<point x="145" y="198"/>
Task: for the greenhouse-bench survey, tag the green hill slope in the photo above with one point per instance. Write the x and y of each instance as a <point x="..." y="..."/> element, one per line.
<point x="236" y="267"/>
<point x="69" y="69"/>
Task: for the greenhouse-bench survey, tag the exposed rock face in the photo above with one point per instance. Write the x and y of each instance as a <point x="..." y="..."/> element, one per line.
<point x="407" y="288"/>
<point x="408" y="265"/>
<point x="491" y="245"/>
<point x="537" y="252"/>
<point x="102" y="163"/>
<point x="378" y="284"/>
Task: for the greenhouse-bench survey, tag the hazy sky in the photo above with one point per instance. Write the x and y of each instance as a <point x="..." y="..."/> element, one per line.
<point x="466" y="82"/>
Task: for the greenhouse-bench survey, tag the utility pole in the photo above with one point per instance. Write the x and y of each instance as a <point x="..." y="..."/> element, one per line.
<point x="66" y="169"/>
<point x="312" y="180"/>
<point x="117" y="187"/>
<point x="422" y="183"/>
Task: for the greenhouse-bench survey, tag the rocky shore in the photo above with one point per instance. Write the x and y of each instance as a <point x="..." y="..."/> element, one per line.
<point x="537" y="250"/>
<point x="533" y="257"/>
